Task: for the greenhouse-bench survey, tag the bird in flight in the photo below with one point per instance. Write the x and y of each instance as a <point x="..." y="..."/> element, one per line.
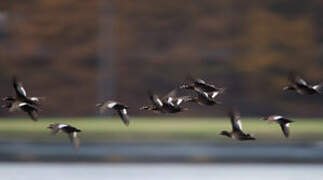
<point x="71" y="131"/>
<point x="282" y="121"/>
<point x="121" y="109"/>
<point x="236" y="132"/>
<point x="301" y="86"/>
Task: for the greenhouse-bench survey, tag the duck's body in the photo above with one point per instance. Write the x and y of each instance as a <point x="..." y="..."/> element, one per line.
<point x="168" y="104"/>
<point x="237" y="133"/>
<point x="121" y="109"/>
<point x="282" y="121"/>
<point x="201" y="84"/>
<point x="301" y="86"/>
<point x="69" y="130"/>
<point x="204" y="98"/>
<point x="16" y="105"/>
<point x="21" y="101"/>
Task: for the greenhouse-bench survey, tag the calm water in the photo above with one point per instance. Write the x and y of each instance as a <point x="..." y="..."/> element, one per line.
<point x="54" y="171"/>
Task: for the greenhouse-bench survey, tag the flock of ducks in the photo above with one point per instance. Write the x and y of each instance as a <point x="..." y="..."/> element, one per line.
<point x="205" y="94"/>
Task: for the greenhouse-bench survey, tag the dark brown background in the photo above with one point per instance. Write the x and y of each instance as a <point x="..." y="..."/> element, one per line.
<point x="78" y="52"/>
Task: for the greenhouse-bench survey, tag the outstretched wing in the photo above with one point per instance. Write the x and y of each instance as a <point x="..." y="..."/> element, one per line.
<point x="296" y="79"/>
<point x="235" y="120"/>
<point x="183" y="99"/>
<point x="124" y="116"/>
<point x="19" y="89"/>
<point x="75" y="140"/>
<point x="155" y="100"/>
<point x="30" y="109"/>
<point x="285" y="129"/>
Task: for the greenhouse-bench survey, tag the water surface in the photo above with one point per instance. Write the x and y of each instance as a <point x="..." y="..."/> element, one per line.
<point x="54" y="171"/>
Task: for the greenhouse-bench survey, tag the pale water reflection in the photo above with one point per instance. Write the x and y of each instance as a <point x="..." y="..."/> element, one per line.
<point x="54" y="171"/>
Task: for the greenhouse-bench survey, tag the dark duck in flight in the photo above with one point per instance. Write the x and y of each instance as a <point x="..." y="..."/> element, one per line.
<point x="121" y="109"/>
<point x="71" y="131"/>
<point x="168" y="104"/>
<point x="236" y="133"/>
<point x="302" y="87"/>
<point x="282" y="121"/>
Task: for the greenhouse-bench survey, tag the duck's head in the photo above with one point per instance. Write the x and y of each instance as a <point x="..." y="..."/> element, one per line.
<point x="99" y="104"/>
<point x="52" y="126"/>
<point x="186" y="86"/>
<point x="225" y="133"/>
<point x="289" y="88"/>
<point x="8" y="98"/>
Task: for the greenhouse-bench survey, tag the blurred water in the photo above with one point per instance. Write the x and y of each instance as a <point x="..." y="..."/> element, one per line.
<point x="54" y="171"/>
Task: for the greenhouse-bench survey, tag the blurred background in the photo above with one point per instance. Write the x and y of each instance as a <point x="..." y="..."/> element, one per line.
<point x="79" y="53"/>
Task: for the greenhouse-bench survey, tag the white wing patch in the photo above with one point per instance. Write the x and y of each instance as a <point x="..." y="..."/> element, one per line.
<point x="34" y="99"/>
<point x="288" y="124"/>
<point x="169" y="100"/>
<point x="179" y="101"/>
<point x="22" y="104"/>
<point x="62" y="126"/>
<point x="124" y="111"/>
<point x="23" y="91"/>
<point x="239" y="124"/>
<point x="159" y="102"/>
<point x="316" y="87"/>
<point x="277" y="117"/>
<point x="111" y="105"/>
<point x="214" y="94"/>
<point x="302" y="81"/>
<point x="74" y="134"/>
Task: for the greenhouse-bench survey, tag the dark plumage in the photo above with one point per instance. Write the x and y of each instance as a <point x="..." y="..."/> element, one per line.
<point x="283" y="122"/>
<point x="201" y="84"/>
<point x="21" y="94"/>
<point x="204" y="98"/>
<point x="236" y="132"/>
<point x="69" y="130"/>
<point x="16" y="105"/>
<point x="302" y="87"/>
<point x="21" y="101"/>
<point x="121" y="109"/>
<point x="168" y="104"/>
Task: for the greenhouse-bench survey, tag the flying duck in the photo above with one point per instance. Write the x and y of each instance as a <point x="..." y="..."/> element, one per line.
<point x="15" y="105"/>
<point x="236" y="132"/>
<point x="168" y="104"/>
<point x="21" y="94"/>
<point x="69" y="130"/>
<point x="121" y="109"/>
<point x="204" y="86"/>
<point x="204" y="98"/>
<point x="302" y="87"/>
<point x="283" y="122"/>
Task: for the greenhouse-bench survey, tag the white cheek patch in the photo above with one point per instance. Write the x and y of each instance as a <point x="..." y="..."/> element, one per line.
<point x="111" y="105"/>
<point x="288" y="124"/>
<point x="61" y="126"/>
<point x="124" y="111"/>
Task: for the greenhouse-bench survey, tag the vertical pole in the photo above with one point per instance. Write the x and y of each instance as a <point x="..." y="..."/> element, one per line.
<point x="107" y="51"/>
